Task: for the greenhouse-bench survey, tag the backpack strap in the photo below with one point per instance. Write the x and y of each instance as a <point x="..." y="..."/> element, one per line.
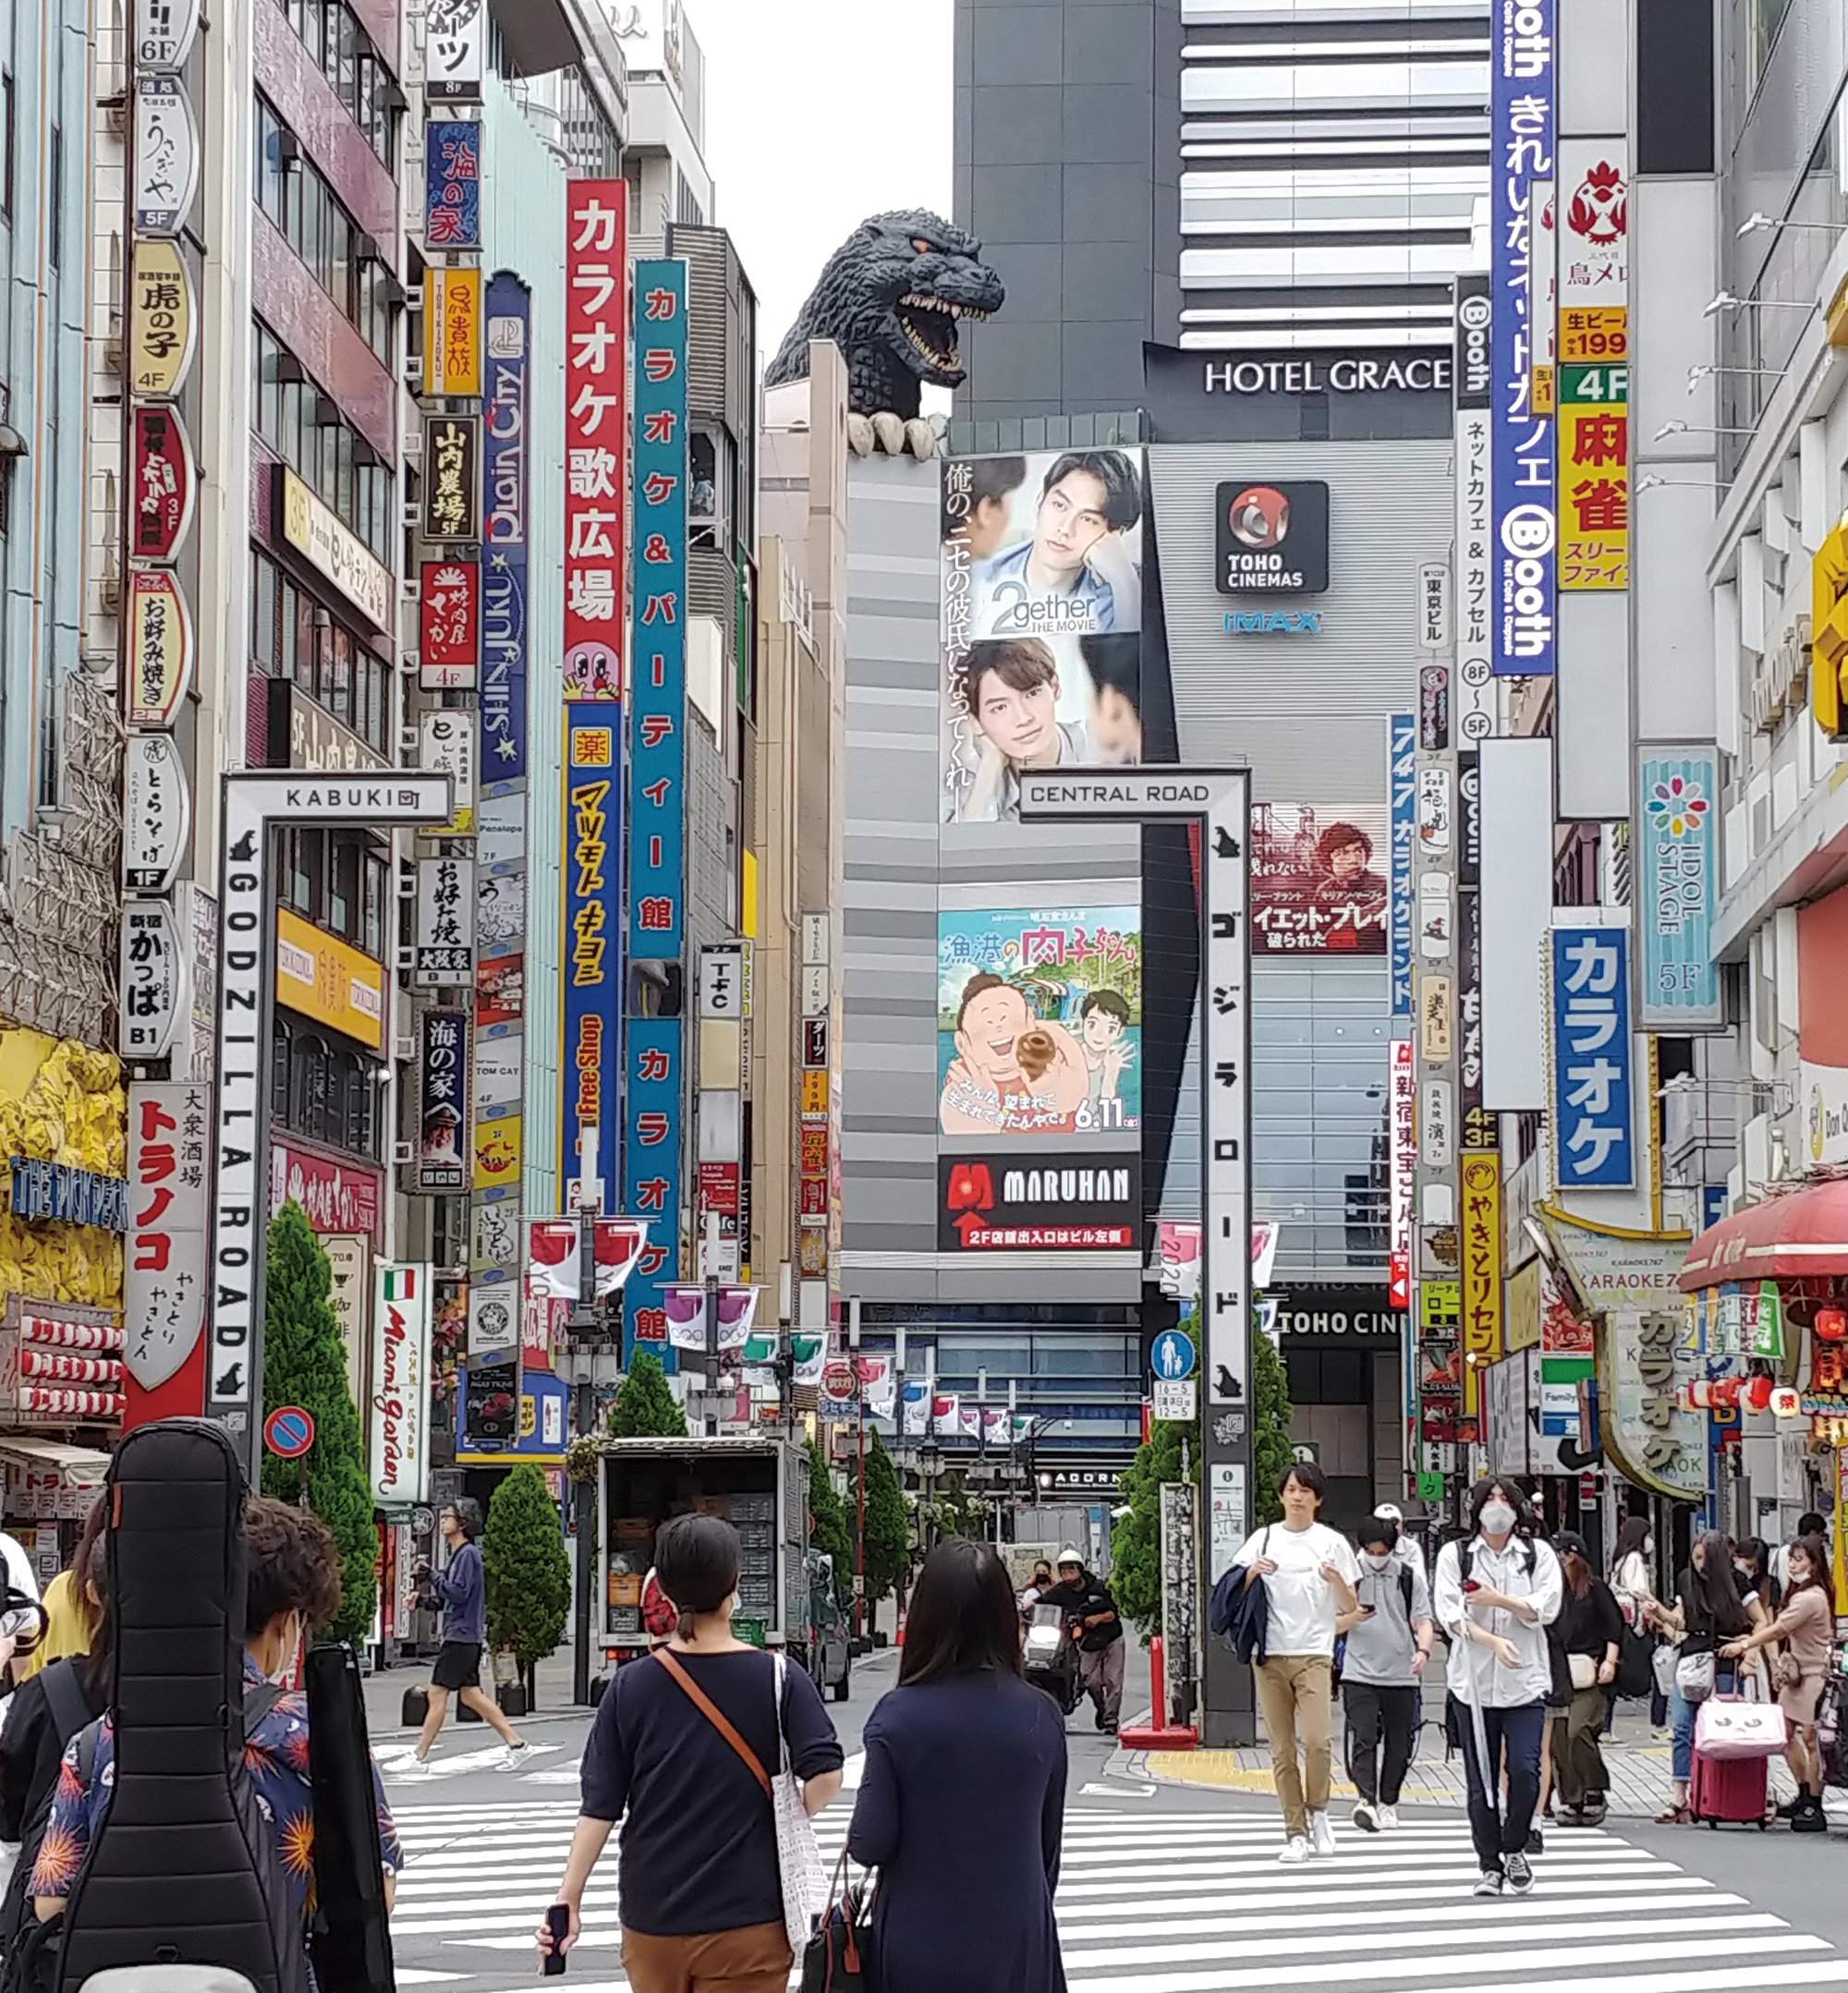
<point x="86" y="1751"/>
<point x="716" y="1716"/>
<point x="257" y="1703"/>
<point x="1466" y="1558"/>
<point x="1405" y="1591"/>
<point x="65" y="1698"/>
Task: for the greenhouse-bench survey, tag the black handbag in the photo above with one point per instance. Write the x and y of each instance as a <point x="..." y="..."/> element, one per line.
<point x="1635" y="1662"/>
<point x="838" y="1958"/>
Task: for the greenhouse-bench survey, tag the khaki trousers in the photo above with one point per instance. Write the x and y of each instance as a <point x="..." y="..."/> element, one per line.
<point x="1293" y="1692"/>
<point x="753" y="1959"/>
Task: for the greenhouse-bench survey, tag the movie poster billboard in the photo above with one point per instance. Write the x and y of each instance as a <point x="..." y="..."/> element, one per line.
<point x="1041" y="638"/>
<point x="1039" y="1021"/>
<point x="1320" y="878"/>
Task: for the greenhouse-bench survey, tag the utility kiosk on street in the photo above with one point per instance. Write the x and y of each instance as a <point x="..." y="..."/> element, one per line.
<point x="760" y="1486"/>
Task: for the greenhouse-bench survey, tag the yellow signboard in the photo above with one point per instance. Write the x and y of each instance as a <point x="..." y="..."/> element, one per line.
<point x="162" y="325"/>
<point x="1600" y="334"/>
<point x="1594" y="475"/>
<point x="1437" y="1018"/>
<point x="1481" y="1245"/>
<point x="451" y="331"/>
<point x="500" y="1152"/>
<point x="814" y="1093"/>
<point x="319" y="976"/>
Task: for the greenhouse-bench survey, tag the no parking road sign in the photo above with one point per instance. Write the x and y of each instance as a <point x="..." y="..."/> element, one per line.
<point x="288" y="1432"/>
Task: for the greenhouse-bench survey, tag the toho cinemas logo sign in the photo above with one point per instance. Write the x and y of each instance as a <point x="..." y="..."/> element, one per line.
<point x="1008" y="1202"/>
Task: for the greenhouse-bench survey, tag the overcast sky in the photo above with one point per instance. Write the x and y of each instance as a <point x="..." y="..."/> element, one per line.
<point x="820" y="113"/>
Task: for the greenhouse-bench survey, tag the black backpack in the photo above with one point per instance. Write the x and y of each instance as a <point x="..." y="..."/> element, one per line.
<point x="1466" y="1558"/>
<point x="67" y="1709"/>
<point x="183" y="1867"/>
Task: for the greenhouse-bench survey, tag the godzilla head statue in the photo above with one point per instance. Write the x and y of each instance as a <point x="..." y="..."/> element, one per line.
<point x="890" y="298"/>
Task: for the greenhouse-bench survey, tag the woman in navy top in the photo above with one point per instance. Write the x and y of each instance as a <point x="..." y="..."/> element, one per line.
<point x="700" y="1893"/>
<point x="962" y="1800"/>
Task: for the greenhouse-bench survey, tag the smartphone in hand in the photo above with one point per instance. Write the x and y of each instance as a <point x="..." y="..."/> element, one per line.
<point x="558" y="1922"/>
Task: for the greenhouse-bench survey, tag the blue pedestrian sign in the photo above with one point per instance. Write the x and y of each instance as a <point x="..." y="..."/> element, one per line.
<point x="1173" y="1356"/>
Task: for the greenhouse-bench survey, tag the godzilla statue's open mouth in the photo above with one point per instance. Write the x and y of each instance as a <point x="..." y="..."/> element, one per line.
<point x="930" y="325"/>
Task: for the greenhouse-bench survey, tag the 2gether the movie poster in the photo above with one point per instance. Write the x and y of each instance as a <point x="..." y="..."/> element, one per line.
<point x="1319" y="878"/>
<point x="1042" y="642"/>
<point x="1040" y="1022"/>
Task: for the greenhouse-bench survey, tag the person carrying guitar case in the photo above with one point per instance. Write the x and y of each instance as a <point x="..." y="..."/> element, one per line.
<point x="184" y="1832"/>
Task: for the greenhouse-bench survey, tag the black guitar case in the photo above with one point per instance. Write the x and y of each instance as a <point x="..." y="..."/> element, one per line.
<point x="183" y="1869"/>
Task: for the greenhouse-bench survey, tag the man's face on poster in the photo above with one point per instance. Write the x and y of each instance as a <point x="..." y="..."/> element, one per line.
<point x="992" y="1023"/>
<point x="1099" y="1030"/>
<point x="1022" y="725"/>
<point x="1347" y="861"/>
<point x="1070" y="520"/>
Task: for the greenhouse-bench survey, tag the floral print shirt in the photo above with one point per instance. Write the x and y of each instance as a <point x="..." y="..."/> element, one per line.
<point x="277" y="1759"/>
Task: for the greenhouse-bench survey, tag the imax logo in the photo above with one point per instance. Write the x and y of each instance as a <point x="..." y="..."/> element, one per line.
<point x="1273" y="623"/>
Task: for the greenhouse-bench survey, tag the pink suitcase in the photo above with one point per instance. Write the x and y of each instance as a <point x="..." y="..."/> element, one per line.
<point x="1735" y="1788"/>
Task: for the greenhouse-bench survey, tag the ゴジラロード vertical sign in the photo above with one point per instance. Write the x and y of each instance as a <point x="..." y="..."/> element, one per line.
<point x="651" y="1087"/>
<point x="592" y="950"/>
<point x="658" y="688"/>
<point x="1522" y="446"/>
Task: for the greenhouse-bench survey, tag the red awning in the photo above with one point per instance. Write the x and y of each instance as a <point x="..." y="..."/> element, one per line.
<point x="1805" y="1233"/>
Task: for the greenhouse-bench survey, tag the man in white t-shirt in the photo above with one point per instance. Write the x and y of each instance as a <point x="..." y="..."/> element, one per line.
<point x="1308" y="1573"/>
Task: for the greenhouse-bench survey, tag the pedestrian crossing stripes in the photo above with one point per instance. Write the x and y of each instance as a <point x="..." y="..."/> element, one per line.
<point x="1193" y="1903"/>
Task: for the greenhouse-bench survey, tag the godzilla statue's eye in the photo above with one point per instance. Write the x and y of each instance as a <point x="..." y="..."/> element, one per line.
<point x="919" y="243"/>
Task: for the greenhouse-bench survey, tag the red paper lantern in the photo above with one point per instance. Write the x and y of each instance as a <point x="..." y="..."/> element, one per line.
<point x="1831" y="1325"/>
<point x="1759" y="1393"/>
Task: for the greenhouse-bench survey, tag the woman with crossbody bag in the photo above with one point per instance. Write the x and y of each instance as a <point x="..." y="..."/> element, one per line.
<point x="1706" y="1613"/>
<point x="688" y="1750"/>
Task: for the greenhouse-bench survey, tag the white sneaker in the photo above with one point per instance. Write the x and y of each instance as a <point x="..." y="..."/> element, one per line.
<point x="514" y="1755"/>
<point x="1295" y="1851"/>
<point x="1366" y="1817"/>
<point x="1321" y="1833"/>
<point x="418" y="1767"/>
<point x="1388" y="1818"/>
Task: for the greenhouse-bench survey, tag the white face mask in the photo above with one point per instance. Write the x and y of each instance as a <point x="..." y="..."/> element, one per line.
<point x="1648" y="1546"/>
<point x="1498" y="1519"/>
<point x="1376" y="1560"/>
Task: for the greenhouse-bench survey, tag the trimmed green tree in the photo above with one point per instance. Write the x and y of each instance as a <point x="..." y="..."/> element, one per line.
<point x="827" y="1526"/>
<point x="527" y="1575"/>
<point x="888" y="1532"/>
<point x="645" y="1407"/>
<point x="1273" y="1448"/>
<point x="305" y="1365"/>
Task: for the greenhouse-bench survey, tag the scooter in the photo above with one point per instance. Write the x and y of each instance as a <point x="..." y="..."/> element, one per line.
<point x="1049" y="1656"/>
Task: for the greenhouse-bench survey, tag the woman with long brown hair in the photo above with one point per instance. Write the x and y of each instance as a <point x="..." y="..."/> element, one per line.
<point x="962" y="1801"/>
<point x="1806" y="1628"/>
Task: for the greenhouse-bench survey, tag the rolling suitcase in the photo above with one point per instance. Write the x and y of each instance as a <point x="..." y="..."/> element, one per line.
<point x="1732" y="1786"/>
<point x="415" y="1707"/>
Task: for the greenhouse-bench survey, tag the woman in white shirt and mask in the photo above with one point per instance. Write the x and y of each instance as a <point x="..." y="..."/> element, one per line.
<point x="1308" y="1572"/>
<point x="1495" y="1594"/>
